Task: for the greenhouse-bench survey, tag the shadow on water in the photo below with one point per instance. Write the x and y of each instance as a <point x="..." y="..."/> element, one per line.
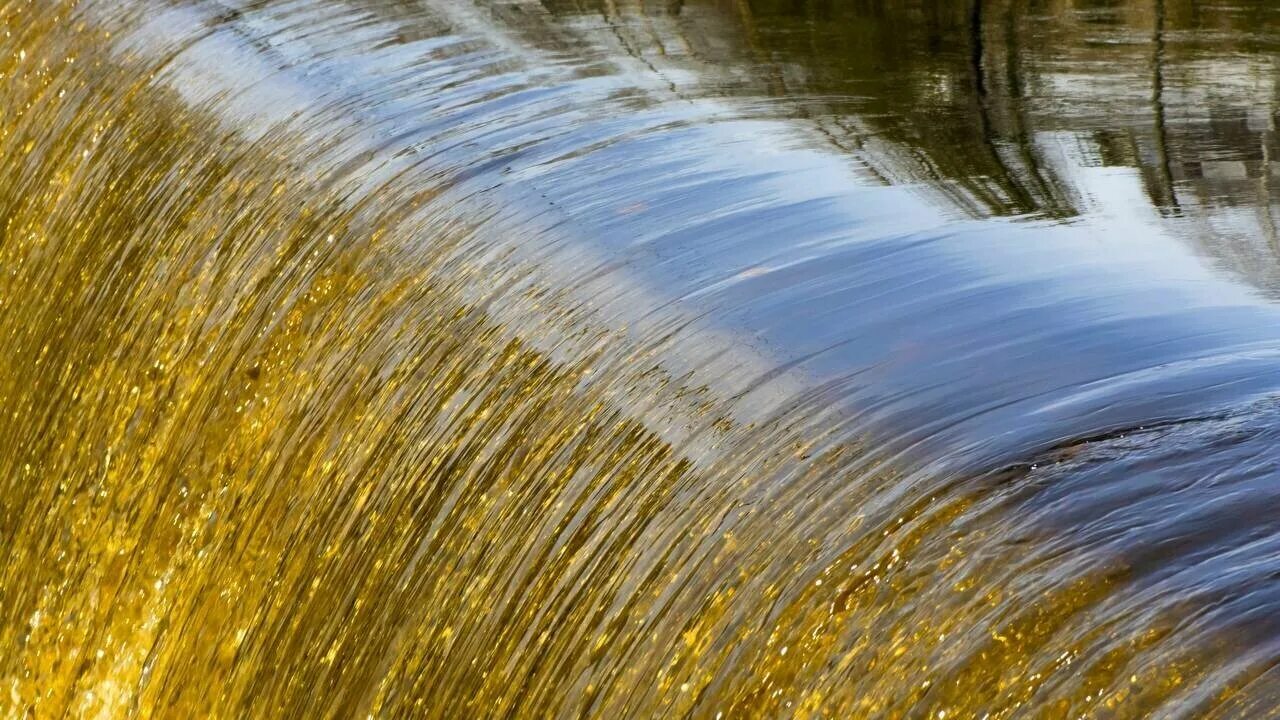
<point x="712" y="358"/>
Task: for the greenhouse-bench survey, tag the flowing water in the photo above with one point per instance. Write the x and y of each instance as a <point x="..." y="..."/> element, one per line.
<point x="607" y="358"/>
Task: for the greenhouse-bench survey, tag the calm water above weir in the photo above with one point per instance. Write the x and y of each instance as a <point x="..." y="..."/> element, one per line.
<point x="576" y="358"/>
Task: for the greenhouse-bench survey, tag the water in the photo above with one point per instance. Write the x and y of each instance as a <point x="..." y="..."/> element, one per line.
<point x="572" y="358"/>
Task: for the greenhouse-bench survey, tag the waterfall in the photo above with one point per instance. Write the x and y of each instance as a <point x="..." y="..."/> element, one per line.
<point x="462" y="358"/>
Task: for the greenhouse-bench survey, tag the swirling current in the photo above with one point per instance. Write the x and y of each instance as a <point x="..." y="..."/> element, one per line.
<point x="621" y="358"/>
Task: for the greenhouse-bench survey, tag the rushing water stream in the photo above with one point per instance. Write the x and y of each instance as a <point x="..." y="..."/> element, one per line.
<point x="607" y="358"/>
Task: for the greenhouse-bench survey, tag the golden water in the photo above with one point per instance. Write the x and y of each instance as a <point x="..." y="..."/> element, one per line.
<point x="295" y="428"/>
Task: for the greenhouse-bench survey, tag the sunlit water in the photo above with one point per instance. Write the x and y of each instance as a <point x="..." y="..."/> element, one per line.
<point x="721" y="358"/>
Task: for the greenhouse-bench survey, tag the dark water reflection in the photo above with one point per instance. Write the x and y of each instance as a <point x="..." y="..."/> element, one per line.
<point x="1162" y="113"/>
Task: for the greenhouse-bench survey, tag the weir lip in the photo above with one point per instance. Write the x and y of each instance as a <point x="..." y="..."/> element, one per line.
<point x="647" y="202"/>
